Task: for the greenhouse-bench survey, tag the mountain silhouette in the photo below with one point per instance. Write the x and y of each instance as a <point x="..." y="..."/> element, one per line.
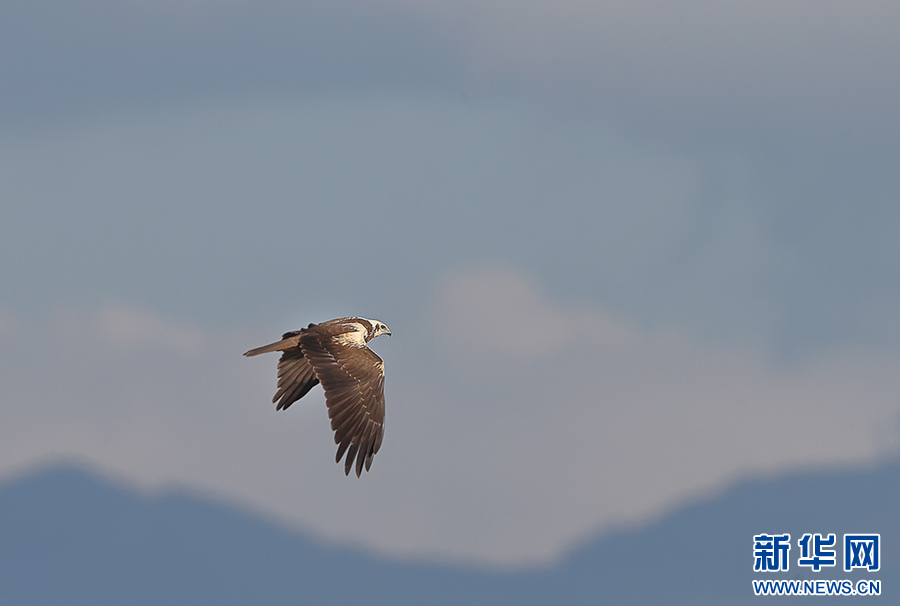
<point x="69" y="536"/>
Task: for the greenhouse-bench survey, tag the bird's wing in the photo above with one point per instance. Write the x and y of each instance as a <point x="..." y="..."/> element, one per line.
<point x="295" y="378"/>
<point x="353" y="378"/>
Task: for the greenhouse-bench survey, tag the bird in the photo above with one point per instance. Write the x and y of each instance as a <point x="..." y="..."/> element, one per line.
<point x="336" y="354"/>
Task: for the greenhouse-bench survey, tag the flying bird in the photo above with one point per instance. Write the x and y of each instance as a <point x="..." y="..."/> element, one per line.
<point x="336" y="354"/>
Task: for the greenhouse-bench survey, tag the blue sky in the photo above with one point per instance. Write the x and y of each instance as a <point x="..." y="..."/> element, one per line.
<point x="629" y="252"/>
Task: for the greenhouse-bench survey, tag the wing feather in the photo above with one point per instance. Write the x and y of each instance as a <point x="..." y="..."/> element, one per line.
<point x="346" y="415"/>
<point x="350" y="427"/>
<point x="295" y="378"/>
<point x="342" y="448"/>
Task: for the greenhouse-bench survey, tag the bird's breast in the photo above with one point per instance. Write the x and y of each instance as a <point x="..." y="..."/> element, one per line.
<point x="353" y="338"/>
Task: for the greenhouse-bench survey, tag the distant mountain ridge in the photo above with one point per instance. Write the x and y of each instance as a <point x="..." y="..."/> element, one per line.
<point x="68" y="536"/>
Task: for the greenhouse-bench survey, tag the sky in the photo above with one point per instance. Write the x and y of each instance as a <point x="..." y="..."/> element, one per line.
<point x="630" y="253"/>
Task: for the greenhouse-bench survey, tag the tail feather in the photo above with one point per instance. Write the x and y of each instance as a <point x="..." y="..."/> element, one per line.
<point x="287" y="343"/>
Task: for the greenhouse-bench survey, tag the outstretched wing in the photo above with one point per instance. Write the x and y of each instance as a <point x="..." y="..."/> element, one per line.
<point x="353" y="378"/>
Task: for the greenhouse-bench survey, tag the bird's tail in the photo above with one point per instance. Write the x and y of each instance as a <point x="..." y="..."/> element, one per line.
<point x="289" y="341"/>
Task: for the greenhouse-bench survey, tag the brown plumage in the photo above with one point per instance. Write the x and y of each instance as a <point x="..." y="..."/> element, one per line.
<point x="336" y="354"/>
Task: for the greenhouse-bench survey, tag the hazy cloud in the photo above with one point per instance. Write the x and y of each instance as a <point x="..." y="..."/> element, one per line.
<point x="96" y="57"/>
<point x="699" y="70"/>
<point x="134" y="329"/>
<point x="499" y="311"/>
<point x="217" y="213"/>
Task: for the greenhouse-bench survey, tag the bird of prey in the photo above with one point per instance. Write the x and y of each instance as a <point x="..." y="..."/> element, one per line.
<point x="336" y="354"/>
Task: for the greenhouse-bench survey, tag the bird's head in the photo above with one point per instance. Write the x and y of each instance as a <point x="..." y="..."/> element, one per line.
<point x="378" y="328"/>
